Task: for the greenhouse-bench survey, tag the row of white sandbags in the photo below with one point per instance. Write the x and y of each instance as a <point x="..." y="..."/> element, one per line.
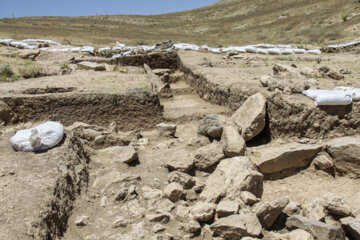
<point x="88" y="49"/>
<point x="42" y="41"/>
<point x="337" y="96"/>
<point x="344" y="45"/>
<point x="17" y="44"/>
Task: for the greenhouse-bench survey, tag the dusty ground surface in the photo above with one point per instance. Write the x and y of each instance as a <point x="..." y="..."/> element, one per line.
<point x="105" y="208"/>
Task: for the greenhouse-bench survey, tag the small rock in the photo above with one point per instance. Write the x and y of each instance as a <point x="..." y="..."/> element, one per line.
<point x="150" y="193"/>
<point x="337" y="206"/>
<point x="203" y="212"/>
<point x="183" y="179"/>
<point x="103" y="201"/>
<point x="166" y="130"/>
<point x="183" y="163"/>
<point x="2" y="174"/>
<point x="323" y="162"/>
<point x="334" y="75"/>
<point x="120" y="222"/>
<point x="319" y="230"/>
<point x="351" y="227"/>
<point x="91" y="66"/>
<point x="182" y="212"/>
<point x="211" y="126"/>
<point x="237" y="226"/>
<point x="191" y="195"/>
<point x="268" y="212"/>
<point x="166" y="205"/>
<point x="199" y="141"/>
<point x="315" y="209"/>
<point x="81" y="221"/>
<point x="345" y="71"/>
<point x="173" y="191"/>
<point x="159" y="217"/>
<point x="234" y="144"/>
<point x="206" y="158"/>
<point x="249" y="198"/>
<point x="191" y="226"/>
<point x="292" y="208"/>
<point x="250" y="117"/>
<point x="119" y="154"/>
<point x="12" y="172"/>
<point x="158" y="228"/>
<point x="226" y="208"/>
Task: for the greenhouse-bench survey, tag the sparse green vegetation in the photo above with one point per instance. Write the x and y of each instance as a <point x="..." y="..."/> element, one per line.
<point x="7" y="74"/>
<point x="31" y="71"/>
<point x="345" y="17"/>
<point x="65" y="66"/>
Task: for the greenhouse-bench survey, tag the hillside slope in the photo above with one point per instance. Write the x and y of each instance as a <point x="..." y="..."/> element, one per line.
<point x="227" y="22"/>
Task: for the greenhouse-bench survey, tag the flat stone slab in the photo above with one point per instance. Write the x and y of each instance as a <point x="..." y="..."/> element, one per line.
<point x="91" y="66"/>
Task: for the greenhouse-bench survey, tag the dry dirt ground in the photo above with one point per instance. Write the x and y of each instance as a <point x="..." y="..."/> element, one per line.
<point x="73" y="191"/>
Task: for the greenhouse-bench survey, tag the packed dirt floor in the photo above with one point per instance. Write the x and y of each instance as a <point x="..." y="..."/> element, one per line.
<point x="290" y="170"/>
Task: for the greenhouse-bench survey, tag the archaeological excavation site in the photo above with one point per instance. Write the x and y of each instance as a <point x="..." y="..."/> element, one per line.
<point x="174" y="141"/>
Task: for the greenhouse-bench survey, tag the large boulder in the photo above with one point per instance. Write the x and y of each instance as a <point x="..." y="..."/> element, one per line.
<point x="346" y="154"/>
<point x="250" y="118"/>
<point x="231" y="177"/>
<point x="275" y="158"/>
<point x="210" y="126"/>
<point x="173" y="191"/>
<point x="233" y="143"/>
<point x="206" y="158"/>
<point x="181" y="162"/>
<point x="268" y="212"/>
<point x="319" y="230"/>
<point x="117" y="155"/>
<point x="237" y="226"/>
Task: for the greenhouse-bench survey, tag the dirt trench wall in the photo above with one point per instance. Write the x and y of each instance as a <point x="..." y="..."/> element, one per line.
<point x="285" y="119"/>
<point x="53" y="219"/>
<point x="128" y="111"/>
<point x="154" y="60"/>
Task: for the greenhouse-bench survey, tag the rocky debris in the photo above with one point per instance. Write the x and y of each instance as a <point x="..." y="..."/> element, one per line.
<point x="268" y="212"/>
<point x="164" y="90"/>
<point x="81" y="221"/>
<point x="345" y="71"/>
<point x="211" y="126"/>
<point x="231" y="177"/>
<point x="351" y="227"/>
<point x="308" y="72"/>
<point x="337" y="206"/>
<point x="158" y="228"/>
<point x="203" y="212"/>
<point x="6" y="113"/>
<point x="233" y="143"/>
<point x="207" y="157"/>
<point x="29" y="54"/>
<point x="199" y="141"/>
<point x="120" y="222"/>
<point x="119" y="154"/>
<point x="319" y="230"/>
<point x="292" y="208"/>
<point x="297" y="234"/>
<point x="183" y="179"/>
<point x="180" y="162"/>
<point x="166" y="205"/>
<point x="272" y="159"/>
<point x="159" y="217"/>
<point x="162" y="71"/>
<point x="237" y="226"/>
<point x="166" y="130"/>
<point x="278" y="68"/>
<point x="91" y="66"/>
<point x="113" y="179"/>
<point x="323" y="162"/>
<point x="315" y="209"/>
<point x="249" y="198"/>
<point x="163" y="46"/>
<point x="191" y="226"/>
<point x="173" y="191"/>
<point x="327" y="72"/>
<point x="345" y="152"/>
<point x="250" y="117"/>
<point x="151" y="193"/>
<point x="226" y="208"/>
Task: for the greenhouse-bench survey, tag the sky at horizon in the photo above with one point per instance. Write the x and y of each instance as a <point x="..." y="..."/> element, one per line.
<point x="71" y="8"/>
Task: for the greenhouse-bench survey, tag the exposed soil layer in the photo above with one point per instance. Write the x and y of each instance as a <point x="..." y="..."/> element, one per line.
<point x="128" y="111"/>
<point x="41" y="188"/>
<point x="34" y="91"/>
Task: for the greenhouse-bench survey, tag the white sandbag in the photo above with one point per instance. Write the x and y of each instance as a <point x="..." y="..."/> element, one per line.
<point x="117" y="48"/>
<point x="264" y="46"/>
<point x="354" y="93"/>
<point x="186" y="46"/>
<point x="205" y="47"/>
<point x="120" y="45"/>
<point x="250" y="49"/>
<point x="130" y="52"/>
<point x="215" y="50"/>
<point x="75" y="49"/>
<point x="147" y="48"/>
<point x="88" y="49"/>
<point x="328" y="97"/>
<point x="287" y="52"/>
<point x="299" y="51"/>
<point x="283" y="46"/>
<point x="116" y="56"/>
<point x="315" y="51"/>
<point x="6" y="41"/>
<point x="262" y="51"/>
<point x="42" y="41"/>
<point x="18" y="44"/>
<point x="274" y="51"/>
<point x="41" y="137"/>
<point x="105" y="49"/>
